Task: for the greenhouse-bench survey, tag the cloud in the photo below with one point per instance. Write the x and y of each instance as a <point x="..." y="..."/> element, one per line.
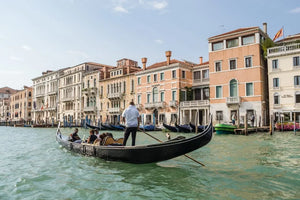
<point x="26" y="48"/>
<point x="295" y="10"/>
<point x="158" y="41"/>
<point x="120" y="9"/>
<point x="159" y="5"/>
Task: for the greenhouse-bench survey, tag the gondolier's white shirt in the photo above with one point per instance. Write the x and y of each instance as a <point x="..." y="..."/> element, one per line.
<point x="131" y="114"/>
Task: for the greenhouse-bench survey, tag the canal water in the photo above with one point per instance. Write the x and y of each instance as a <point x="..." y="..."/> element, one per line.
<point x="258" y="166"/>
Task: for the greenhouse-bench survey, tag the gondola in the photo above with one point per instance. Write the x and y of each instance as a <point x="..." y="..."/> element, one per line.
<point x="95" y="127"/>
<point x="147" y="127"/>
<point x="171" y="128"/>
<point x="144" y="153"/>
<point x="117" y="127"/>
<point x="184" y="128"/>
<point x="200" y="128"/>
<point x="107" y="127"/>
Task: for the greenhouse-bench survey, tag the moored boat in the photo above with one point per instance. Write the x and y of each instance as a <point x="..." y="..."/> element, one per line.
<point x="117" y="127"/>
<point x="224" y="128"/>
<point x="171" y="128"/>
<point x="143" y="153"/>
<point x="200" y="128"/>
<point x="96" y="127"/>
<point x="184" y="128"/>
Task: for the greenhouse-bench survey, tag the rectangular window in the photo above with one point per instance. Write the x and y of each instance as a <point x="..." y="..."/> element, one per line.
<point x="174" y="74"/>
<point x="296" y="61"/>
<point x="162" y="96"/>
<point x="248" y="62"/>
<point x="155" y="77"/>
<point x="232" y="43"/>
<point x="182" y="95"/>
<point x="275" y="82"/>
<point x="206" y="93"/>
<point x="173" y="95"/>
<point x="162" y="76"/>
<point x="217" y="46"/>
<point x="148" y="98"/>
<point x="232" y="64"/>
<point x="197" y="75"/>
<point x="218" y="91"/>
<point x="297" y="97"/>
<point x="248" y="39"/>
<point x="249" y="89"/>
<point x="139" y="80"/>
<point x="219" y="115"/>
<point x="276" y="99"/>
<point x="162" y="118"/>
<point x="132" y="85"/>
<point x="148" y="79"/>
<point x="205" y="74"/>
<point x="274" y="64"/>
<point x="218" y="66"/>
<point x="183" y="74"/>
<point x="297" y="81"/>
<point x="139" y="99"/>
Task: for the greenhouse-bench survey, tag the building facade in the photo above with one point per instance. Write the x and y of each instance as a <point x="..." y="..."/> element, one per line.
<point x="195" y="108"/>
<point x="5" y="94"/>
<point x="117" y="89"/>
<point x="238" y="76"/>
<point x="160" y="88"/>
<point x="45" y="98"/>
<point x="284" y="79"/>
<point x="21" y="105"/>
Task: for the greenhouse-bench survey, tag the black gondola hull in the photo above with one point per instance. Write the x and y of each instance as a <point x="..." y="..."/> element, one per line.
<point x="141" y="154"/>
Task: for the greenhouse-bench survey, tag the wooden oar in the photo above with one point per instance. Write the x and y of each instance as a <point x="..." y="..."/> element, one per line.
<point x="162" y="141"/>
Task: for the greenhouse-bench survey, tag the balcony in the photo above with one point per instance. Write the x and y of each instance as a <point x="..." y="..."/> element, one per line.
<point x="89" y="91"/>
<point x="276" y="106"/>
<point x="51" y="108"/>
<point x="173" y="104"/>
<point x="139" y="106"/>
<point x="114" y="110"/>
<point x="202" y="81"/>
<point x="117" y="95"/>
<point x="40" y="95"/>
<point x="282" y="50"/>
<point x="67" y="99"/>
<point x="52" y="93"/>
<point x="233" y="100"/>
<point x="154" y="105"/>
<point x="89" y="109"/>
<point x="195" y="103"/>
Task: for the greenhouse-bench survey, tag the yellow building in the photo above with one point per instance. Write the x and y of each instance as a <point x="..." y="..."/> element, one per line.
<point x="20" y="105"/>
<point x="116" y="90"/>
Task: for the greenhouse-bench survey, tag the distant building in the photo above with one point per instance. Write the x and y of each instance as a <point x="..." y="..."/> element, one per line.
<point x="45" y="97"/>
<point x="21" y="105"/>
<point x="284" y="79"/>
<point x="238" y="76"/>
<point x="6" y="92"/>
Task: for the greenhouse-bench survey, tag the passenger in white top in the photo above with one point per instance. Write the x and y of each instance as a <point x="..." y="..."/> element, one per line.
<point x="132" y="121"/>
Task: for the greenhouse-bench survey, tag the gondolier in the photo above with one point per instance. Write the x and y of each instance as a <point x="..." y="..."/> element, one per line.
<point x="131" y="118"/>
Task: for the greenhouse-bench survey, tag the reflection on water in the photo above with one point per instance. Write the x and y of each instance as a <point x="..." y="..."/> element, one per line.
<point x="258" y="166"/>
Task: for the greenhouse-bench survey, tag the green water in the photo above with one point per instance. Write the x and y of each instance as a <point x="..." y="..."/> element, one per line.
<point x="258" y="166"/>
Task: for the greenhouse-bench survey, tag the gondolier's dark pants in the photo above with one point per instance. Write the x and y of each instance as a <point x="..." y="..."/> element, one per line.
<point x="129" y="130"/>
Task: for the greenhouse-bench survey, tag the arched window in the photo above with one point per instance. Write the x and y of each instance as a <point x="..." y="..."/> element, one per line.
<point x="155" y="94"/>
<point x="276" y="98"/>
<point x="88" y="84"/>
<point x="233" y="88"/>
<point x="88" y="102"/>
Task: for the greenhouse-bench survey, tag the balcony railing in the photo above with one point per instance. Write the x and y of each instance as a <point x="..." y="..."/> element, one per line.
<point x="89" y="109"/>
<point x="277" y="106"/>
<point x="233" y="100"/>
<point x="284" y="49"/>
<point x="173" y="103"/>
<point x="52" y="92"/>
<point x="40" y="95"/>
<point x="155" y="105"/>
<point x="117" y="95"/>
<point x="201" y="81"/>
<point x="139" y="106"/>
<point x="51" y="108"/>
<point x="195" y="103"/>
<point x="114" y="110"/>
<point x="67" y="99"/>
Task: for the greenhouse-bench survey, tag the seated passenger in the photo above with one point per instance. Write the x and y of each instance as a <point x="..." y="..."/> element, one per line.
<point x="74" y="137"/>
<point x="92" y="137"/>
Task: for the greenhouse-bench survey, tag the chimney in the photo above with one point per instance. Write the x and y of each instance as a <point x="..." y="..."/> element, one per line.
<point x="168" y="55"/>
<point x="201" y="60"/>
<point x="265" y="27"/>
<point x="104" y="73"/>
<point x="144" y="61"/>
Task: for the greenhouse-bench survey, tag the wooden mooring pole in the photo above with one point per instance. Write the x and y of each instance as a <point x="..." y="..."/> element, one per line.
<point x="271" y="124"/>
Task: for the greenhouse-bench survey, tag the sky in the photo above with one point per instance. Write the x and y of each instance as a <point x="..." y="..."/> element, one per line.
<point x="40" y="35"/>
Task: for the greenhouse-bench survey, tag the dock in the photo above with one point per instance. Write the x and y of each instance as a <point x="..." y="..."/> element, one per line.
<point x="246" y="131"/>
